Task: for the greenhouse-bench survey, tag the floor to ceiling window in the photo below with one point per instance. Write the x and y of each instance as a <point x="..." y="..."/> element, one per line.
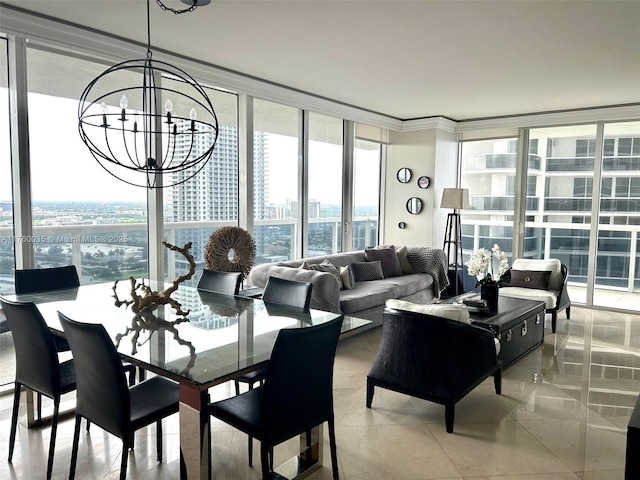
<point x="488" y="169"/>
<point x="7" y="368"/>
<point x="81" y="214"/>
<point x="6" y="204"/>
<point x="559" y="223"/>
<point x="366" y="194"/>
<point x="617" y="258"/>
<point x="325" y="184"/>
<point x="275" y="179"/>
<point x="197" y="207"/>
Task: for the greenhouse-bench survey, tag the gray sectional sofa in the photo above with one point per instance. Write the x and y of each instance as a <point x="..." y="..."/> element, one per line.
<point x="366" y="299"/>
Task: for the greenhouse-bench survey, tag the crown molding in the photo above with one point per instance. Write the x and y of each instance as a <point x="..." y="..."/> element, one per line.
<point x="547" y="119"/>
<point x="439" y="123"/>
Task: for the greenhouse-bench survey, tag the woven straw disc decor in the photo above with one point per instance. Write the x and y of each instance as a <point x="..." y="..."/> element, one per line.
<point x="230" y="249"/>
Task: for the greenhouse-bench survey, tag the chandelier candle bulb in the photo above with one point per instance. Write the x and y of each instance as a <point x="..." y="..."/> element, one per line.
<point x="103" y="110"/>
<point x="123" y="105"/>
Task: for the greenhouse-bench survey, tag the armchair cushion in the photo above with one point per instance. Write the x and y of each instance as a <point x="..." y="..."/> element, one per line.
<point x="530" y="279"/>
<point x="552" y="265"/>
<point x="458" y="313"/>
<point x="549" y="297"/>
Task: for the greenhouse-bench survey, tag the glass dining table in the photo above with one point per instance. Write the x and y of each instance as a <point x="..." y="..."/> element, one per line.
<point x="221" y="338"/>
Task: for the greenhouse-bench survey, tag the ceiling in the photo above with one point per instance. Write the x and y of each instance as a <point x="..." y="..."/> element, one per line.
<point x="405" y="59"/>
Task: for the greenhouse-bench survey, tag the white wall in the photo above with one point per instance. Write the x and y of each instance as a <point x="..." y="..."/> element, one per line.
<point x="430" y="152"/>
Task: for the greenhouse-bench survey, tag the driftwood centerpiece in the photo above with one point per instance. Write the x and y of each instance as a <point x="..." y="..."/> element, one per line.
<point x="149" y="300"/>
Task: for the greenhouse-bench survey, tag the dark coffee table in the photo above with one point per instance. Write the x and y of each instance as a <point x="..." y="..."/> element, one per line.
<point x="518" y="324"/>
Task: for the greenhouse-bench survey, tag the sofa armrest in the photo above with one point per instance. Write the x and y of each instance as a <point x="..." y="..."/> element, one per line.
<point x="326" y="290"/>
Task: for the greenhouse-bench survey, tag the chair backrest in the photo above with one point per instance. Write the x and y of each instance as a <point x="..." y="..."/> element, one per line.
<point x="220" y="282"/>
<point x="36" y="280"/>
<point x="102" y="392"/>
<point x="287" y="292"/>
<point x="429" y="353"/>
<point x="37" y="363"/>
<point x="556" y="280"/>
<point x="298" y="388"/>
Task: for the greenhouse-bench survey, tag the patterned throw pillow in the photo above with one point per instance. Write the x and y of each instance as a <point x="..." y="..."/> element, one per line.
<point x="530" y="279"/>
<point x="324" y="266"/>
<point x="367" y="271"/>
<point x="388" y="259"/>
<point x="347" y="277"/>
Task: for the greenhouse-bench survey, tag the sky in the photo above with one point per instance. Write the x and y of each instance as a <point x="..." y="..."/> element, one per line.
<point x="63" y="168"/>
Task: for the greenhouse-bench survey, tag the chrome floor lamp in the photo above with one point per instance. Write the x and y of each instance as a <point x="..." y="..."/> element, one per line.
<point x="457" y="199"/>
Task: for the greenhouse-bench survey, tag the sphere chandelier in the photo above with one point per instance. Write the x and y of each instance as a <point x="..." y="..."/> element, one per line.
<point x="158" y="132"/>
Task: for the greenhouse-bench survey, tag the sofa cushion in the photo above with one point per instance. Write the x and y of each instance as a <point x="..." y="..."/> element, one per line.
<point x="365" y="295"/>
<point x="403" y="259"/>
<point x="346" y="274"/>
<point x="452" y="311"/>
<point x="409" y="284"/>
<point x="388" y="258"/>
<point x="367" y="271"/>
<point x="530" y="279"/>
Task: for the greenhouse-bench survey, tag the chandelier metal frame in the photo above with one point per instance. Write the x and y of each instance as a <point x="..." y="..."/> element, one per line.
<point x="149" y="143"/>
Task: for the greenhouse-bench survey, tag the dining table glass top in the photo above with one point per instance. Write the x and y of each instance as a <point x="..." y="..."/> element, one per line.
<point x="221" y="337"/>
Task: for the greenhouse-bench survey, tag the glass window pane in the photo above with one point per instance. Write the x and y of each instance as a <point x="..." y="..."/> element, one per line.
<point x="7" y="265"/>
<point x="488" y="171"/>
<point x="6" y="202"/>
<point x="275" y="163"/>
<point x="199" y="206"/>
<point x="81" y="214"/>
<point x="325" y="184"/>
<point x="366" y="195"/>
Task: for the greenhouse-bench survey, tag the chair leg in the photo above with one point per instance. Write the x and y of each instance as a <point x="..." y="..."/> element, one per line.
<point x="14" y="419"/>
<point x="88" y="425"/>
<point x="52" y="441"/>
<point x="250" y="445"/>
<point x="370" y="387"/>
<point x="497" y="381"/>
<point x="125" y="459"/>
<point x="334" y="450"/>
<point x="74" y="449"/>
<point x="39" y="405"/>
<point x="159" y="440"/>
<point x="568" y="312"/>
<point x="449" y="416"/>
<point x="554" y="318"/>
<point x="264" y="461"/>
<point x="237" y="387"/>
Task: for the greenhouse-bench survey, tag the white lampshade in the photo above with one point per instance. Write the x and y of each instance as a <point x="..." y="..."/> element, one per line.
<point x="455" y="198"/>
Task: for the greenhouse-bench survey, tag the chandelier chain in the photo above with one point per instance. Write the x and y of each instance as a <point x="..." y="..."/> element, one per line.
<point x="178" y="12"/>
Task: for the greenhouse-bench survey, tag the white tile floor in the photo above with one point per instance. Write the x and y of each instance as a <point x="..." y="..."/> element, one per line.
<point x="562" y="415"/>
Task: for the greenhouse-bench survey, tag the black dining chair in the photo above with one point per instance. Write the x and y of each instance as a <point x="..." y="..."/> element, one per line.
<point x="283" y="293"/>
<point x="103" y="396"/>
<point x="37" y="366"/>
<point x="39" y="280"/>
<point x="220" y="282"/>
<point x="292" y="399"/>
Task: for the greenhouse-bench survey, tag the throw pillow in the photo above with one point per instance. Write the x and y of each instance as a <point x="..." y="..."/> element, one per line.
<point x="367" y="271"/>
<point x="530" y="279"/>
<point x="451" y="311"/>
<point x="324" y="266"/>
<point x="346" y="273"/>
<point x="403" y="258"/>
<point x="387" y="257"/>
